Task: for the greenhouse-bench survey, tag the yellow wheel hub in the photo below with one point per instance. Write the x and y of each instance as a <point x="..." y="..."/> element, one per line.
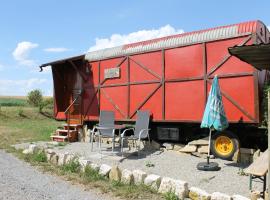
<point x="224" y="145"/>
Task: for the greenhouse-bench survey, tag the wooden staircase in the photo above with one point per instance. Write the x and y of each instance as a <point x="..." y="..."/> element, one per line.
<point x="69" y="132"/>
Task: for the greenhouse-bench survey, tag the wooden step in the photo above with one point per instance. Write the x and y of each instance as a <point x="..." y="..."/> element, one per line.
<point x="59" y="138"/>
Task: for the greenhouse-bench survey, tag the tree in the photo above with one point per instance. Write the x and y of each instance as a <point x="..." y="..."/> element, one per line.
<point x="35" y="98"/>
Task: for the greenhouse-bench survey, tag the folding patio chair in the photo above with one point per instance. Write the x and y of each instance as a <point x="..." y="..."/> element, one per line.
<point x="105" y="128"/>
<point x="141" y="130"/>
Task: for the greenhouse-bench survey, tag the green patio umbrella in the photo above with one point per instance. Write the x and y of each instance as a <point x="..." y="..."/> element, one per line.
<point x="214" y="117"/>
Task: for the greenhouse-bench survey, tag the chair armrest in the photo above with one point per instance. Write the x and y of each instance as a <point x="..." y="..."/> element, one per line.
<point x="124" y="132"/>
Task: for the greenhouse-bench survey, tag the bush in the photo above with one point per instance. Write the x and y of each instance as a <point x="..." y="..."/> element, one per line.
<point x="34" y="98"/>
<point x="170" y="196"/>
<point x="47" y="103"/>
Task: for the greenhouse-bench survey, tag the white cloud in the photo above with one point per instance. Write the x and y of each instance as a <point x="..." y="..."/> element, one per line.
<point x="117" y="39"/>
<point x="56" y="49"/>
<point x="22" y="51"/>
<point x="22" y="87"/>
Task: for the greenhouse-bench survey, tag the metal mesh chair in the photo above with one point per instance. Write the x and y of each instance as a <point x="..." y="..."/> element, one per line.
<point x="141" y="130"/>
<point x="104" y="128"/>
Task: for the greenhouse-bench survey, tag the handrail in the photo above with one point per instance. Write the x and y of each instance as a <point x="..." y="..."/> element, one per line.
<point x="72" y="103"/>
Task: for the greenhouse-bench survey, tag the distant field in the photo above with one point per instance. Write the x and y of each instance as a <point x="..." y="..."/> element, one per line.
<point x="13" y="101"/>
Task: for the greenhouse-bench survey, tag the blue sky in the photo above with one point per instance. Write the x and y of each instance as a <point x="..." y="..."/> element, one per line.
<point x="34" y="32"/>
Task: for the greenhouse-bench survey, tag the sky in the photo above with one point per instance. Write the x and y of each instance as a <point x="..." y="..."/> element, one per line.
<point x="35" y="32"/>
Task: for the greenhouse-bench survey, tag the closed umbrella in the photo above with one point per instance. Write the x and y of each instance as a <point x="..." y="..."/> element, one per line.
<point x="214" y="118"/>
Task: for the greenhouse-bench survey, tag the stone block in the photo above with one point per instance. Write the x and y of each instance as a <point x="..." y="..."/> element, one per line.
<point x="33" y="148"/>
<point x="139" y="176"/>
<point x="115" y="174"/>
<point x="256" y="154"/>
<point x="26" y="151"/>
<point x="54" y="159"/>
<point x="70" y="157"/>
<point x="203" y="149"/>
<point x="254" y="195"/>
<point x="181" y="189"/>
<point x="197" y="194"/>
<point x="220" y="196"/>
<point x="104" y="169"/>
<point x="167" y="185"/>
<point x="87" y="136"/>
<point x="153" y="181"/>
<point x="127" y="177"/>
<point x="95" y="166"/>
<point x="188" y="149"/>
<point x="236" y="156"/>
<point x="62" y="158"/>
<point x="83" y="163"/>
<point x="177" y="147"/>
<point x="239" y="197"/>
<point x="200" y="142"/>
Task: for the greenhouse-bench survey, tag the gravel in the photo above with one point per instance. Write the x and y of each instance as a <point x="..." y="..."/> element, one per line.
<point x="18" y="180"/>
<point x="175" y="165"/>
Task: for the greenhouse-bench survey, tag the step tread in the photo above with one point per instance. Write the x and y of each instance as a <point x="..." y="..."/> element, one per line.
<point x="59" y="136"/>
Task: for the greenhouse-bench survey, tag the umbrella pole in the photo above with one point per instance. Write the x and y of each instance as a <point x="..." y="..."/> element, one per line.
<point x="209" y="143"/>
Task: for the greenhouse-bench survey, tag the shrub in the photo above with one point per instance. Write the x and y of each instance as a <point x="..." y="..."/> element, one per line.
<point x="47" y="103"/>
<point x="34" y="98"/>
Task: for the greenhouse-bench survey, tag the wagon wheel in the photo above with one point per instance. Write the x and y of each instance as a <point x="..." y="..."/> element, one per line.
<point x="224" y="145"/>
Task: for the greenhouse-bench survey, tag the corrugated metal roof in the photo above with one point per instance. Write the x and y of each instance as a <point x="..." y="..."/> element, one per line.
<point x="256" y="55"/>
<point x="175" y="40"/>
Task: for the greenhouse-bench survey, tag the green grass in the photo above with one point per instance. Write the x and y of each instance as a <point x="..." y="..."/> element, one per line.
<point x="24" y="124"/>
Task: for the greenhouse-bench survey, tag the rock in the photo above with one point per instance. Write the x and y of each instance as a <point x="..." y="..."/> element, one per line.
<point x="153" y="181"/>
<point x="181" y="189"/>
<point x="254" y="195"/>
<point x="50" y="151"/>
<point x="127" y="177"/>
<point x="26" y="151"/>
<point x="177" y="147"/>
<point x="70" y="157"/>
<point x="203" y="149"/>
<point x="139" y="176"/>
<point x="220" y="196"/>
<point x="239" y="197"/>
<point x="95" y="166"/>
<point x="104" y="169"/>
<point x="197" y="193"/>
<point x="167" y="185"/>
<point x="31" y="149"/>
<point x="87" y="136"/>
<point x="188" y="149"/>
<point x="62" y="158"/>
<point x="54" y="159"/>
<point x="83" y="163"/>
<point x="236" y="156"/>
<point x="115" y="174"/>
<point x="168" y="146"/>
<point x="200" y="142"/>
<point x="256" y="154"/>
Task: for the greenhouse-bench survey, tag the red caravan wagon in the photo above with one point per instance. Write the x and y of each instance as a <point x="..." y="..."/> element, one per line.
<point x="171" y="77"/>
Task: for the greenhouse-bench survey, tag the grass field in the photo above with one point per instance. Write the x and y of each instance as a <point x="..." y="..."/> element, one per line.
<point x="20" y="123"/>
